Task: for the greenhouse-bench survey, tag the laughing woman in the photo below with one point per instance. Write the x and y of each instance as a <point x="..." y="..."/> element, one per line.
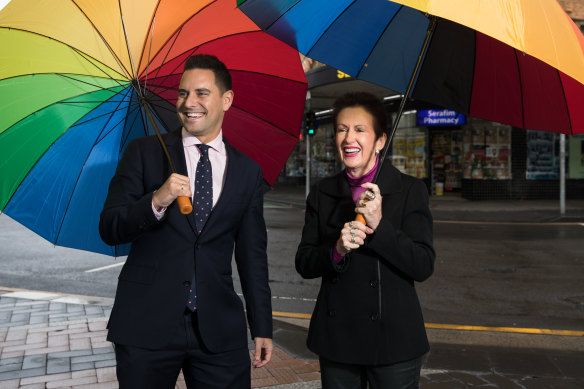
<point x="367" y="325"/>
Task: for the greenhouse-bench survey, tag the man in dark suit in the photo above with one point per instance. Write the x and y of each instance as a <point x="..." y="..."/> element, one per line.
<point x="175" y="305"/>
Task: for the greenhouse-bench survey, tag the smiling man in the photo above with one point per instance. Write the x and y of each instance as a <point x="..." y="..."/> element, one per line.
<point x="175" y="305"/>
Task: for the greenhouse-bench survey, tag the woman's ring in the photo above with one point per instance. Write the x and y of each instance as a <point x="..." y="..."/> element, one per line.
<point x="352" y="239"/>
<point x="363" y="203"/>
<point x="352" y="232"/>
<point x="351" y="224"/>
<point x="182" y="187"/>
<point x="370" y="195"/>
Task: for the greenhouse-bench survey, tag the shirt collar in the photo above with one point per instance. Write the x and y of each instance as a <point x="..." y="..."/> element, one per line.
<point x="191" y="140"/>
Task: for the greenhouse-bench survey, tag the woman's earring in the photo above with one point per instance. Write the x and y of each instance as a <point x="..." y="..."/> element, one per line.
<point x="376" y="152"/>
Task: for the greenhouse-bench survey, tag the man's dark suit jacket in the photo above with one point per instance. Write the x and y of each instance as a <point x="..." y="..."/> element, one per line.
<point x="153" y="284"/>
<point x="367" y="311"/>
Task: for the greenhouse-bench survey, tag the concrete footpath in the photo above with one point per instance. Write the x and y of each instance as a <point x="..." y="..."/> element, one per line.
<point x="50" y="340"/>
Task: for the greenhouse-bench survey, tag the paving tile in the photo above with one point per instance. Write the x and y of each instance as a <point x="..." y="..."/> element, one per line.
<point x="37" y="337"/>
<point x="15" y="334"/>
<point x="79" y="344"/>
<point x="314" y="376"/>
<point x="58" y="365"/>
<point x="46" y="350"/>
<point x="32" y="386"/>
<point x="94" y="358"/>
<point x="73" y="382"/>
<point x="34" y="361"/>
<point x="106" y="363"/>
<point x="10" y="384"/>
<point x="10" y="375"/>
<point x="12" y="354"/>
<point x="106" y="374"/>
<point x="261" y="382"/>
<point x="82" y="366"/>
<point x="284" y="375"/>
<point x="10" y="367"/>
<point x="57" y="339"/>
<point x="97" y="326"/>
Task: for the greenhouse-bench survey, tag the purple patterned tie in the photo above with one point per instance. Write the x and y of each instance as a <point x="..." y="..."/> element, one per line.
<point x="202" y="205"/>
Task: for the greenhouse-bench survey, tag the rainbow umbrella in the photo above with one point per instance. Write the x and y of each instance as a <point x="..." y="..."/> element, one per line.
<point x="79" y="79"/>
<point x="519" y="62"/>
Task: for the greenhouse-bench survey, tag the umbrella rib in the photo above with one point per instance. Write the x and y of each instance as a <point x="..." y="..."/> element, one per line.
<point x="378" y="39"/>
<point x="56" y="102"/>
<point x="328" y="28"/>
<point x="265" y="121"/>
<point x="178" y="30"/>
<point x="78" y="178"/>
<point x="515" y="51"/>
<point x="85" y="56"/>
<point x="134" y="73"/>
<point x="105" y="42"/>
<point x="151" y="33"/>
<point x="281" y="15"/>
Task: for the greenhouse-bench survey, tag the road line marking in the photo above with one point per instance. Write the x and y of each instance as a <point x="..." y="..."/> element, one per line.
<point x="104" y="267"/>
<point x="292" y="314"/>
<point x="541" y="331"/>
<point x="510" y="223"/>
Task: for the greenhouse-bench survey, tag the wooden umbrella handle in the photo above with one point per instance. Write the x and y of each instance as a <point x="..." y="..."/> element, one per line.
<point x="360" y="217"/>
<point x="184" y="204"/>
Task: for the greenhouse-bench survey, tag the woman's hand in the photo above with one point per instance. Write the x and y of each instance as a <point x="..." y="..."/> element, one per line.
<point x="370" y="209"/>
<point x="352" y="236"/>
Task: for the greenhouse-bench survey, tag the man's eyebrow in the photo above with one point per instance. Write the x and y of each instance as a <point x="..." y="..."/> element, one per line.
<point x="198" y="90"/>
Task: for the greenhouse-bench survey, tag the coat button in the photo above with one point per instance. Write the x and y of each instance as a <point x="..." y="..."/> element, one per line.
<point x="373" y="283"/>
<point x="197" y="246"/>
<point x="186" y="283"/>
<point x="335" y="280"/>
<point x="332" y="313"/>
<point x="374" y="316"/>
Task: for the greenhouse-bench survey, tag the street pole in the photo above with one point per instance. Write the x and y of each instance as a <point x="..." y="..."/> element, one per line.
<point x="562" y="174"/>
<point x="307" y="107"/>
<point x="307" y="137"/>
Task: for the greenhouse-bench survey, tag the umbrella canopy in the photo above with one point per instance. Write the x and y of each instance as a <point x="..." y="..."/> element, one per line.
<point x="79" y="80"/>
<point x="519" y="62"/>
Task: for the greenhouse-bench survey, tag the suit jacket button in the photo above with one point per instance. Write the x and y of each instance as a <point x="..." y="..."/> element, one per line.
<point x="374" y="316"/>
<point x="373" y="283"/>
<point x="332" y="313"/>
<point x="187" y="283"/>
<point x="197" y="246"/>
<point x="335" y="280"/>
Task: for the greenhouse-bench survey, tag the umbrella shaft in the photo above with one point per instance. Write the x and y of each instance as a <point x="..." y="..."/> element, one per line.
<point x="406" y="96"/>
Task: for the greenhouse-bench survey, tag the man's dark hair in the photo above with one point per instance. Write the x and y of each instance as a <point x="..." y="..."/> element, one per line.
<point x="210" y="62"/>
<point x="370" y="103"/>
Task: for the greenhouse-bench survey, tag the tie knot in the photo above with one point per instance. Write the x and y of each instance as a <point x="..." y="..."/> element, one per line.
<point x="203" y="148"/>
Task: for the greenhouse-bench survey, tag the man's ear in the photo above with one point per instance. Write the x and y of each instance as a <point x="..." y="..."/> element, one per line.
<point x="227" y="100"/>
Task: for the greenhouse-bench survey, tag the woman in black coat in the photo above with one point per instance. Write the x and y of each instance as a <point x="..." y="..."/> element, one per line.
<point x="367" y="325"/>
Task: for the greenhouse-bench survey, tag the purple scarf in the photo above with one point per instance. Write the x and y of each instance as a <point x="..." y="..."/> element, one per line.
<point x="356" y="182"/>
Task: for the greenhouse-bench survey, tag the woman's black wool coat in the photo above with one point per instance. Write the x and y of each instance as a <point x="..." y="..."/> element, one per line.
<point x="367" y="311"/>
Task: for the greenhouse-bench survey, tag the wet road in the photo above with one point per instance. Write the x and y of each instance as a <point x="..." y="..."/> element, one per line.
<point x="487" y="273"/>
